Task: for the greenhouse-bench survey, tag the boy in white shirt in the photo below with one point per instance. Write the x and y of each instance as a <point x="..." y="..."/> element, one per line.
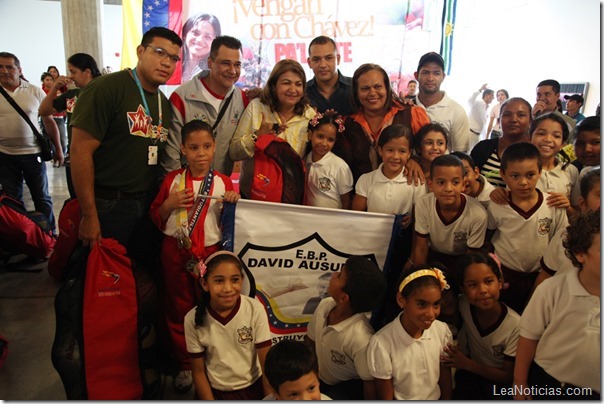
<point x="340" y="329"/>
<point x="521" y="230"/>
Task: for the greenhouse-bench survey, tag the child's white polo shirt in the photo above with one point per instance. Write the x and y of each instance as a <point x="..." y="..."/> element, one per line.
<point x="341" y="348"/>
<point x="492" y="345"/>
<point x="327" y="179"/>
<point x="565" y="319"/>
<point x="466" y="230"/>
<point x="521" y="237"/>
<point x="412" y="364"/>
<point x="385" y="195"/>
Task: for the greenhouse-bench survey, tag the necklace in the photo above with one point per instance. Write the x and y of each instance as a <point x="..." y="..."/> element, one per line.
<point x="282" y="117"/>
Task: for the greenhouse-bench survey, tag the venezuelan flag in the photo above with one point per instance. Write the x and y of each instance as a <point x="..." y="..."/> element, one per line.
<point x="141" y="15"/>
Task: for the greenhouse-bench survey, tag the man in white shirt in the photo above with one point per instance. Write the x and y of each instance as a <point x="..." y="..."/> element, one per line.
<point x="440" y="108"/>
<point x="478" y="113"/>
<point x="203" y="97"/>
<point x="19" y="149"/>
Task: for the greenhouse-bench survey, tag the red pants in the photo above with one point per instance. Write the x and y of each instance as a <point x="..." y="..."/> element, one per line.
<point x="181" y="294"/>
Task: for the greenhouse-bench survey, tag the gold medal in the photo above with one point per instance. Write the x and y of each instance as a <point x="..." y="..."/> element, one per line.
<point x="186" y="242"/>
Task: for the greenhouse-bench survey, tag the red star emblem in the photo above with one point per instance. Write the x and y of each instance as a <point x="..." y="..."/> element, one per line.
<point x="71" y="104"/>
<point x="138" y="122"/>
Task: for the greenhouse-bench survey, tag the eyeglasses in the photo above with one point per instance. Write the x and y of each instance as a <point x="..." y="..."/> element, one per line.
<point x="163" y="54"/>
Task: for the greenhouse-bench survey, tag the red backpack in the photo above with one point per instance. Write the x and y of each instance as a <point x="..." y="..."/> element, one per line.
<point x="24" y="232"/>
<point x="278" y="172"/>
<point x="69" y="224"/>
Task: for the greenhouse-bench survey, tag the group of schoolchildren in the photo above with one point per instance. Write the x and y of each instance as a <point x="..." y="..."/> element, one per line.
<point x="447" y="302"/>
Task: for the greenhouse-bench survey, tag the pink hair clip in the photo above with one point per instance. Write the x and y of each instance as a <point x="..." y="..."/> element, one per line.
<point x="315" y="120"/>
<point x="496" y="259"/>
<point x="340" y="123"/>
<point x="200" y="269"/>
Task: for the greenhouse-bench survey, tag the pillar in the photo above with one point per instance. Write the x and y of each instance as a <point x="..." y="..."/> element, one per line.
<point x="82" y="26"/>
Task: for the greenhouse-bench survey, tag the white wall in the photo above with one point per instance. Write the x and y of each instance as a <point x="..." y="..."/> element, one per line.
<point x="511" y="44"/>
<point x="33" y="30"/>
<point x="514" y="44"/>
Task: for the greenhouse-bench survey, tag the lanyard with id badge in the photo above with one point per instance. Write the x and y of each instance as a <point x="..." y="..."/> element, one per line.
<point x="153" y="148"/>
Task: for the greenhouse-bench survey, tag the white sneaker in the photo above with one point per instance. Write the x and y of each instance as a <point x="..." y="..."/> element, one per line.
<point x="183" y="381"/>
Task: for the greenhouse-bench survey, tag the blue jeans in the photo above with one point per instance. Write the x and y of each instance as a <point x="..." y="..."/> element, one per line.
<point x="29" y="167"/>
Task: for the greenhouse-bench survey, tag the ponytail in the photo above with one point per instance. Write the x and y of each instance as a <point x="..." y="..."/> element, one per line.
<point x="565" y="157"/>
<point x="200" y="310"/>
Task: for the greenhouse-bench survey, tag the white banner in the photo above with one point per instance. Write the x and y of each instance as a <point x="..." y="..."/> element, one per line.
<point x="289" y="253"/>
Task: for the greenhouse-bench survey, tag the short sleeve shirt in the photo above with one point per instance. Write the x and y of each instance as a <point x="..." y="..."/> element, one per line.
<point x="565" y="319"/>
<point x="327" y="179"/>
<point x="466" y="230"/>
<point x="412" y="364"/>
<point x="229" y="343"/>
<point x="521" y="237"/>
<point x="385" y="195"/>
<point x="492" y="345"/>
<point x="341" y="348"/>
<point x="110" y="108"/>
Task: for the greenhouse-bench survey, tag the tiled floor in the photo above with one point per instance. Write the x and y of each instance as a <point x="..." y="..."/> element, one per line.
<point x="27" y="320"/>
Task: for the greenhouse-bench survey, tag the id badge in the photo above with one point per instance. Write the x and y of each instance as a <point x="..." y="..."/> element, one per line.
<point x="152" y="157"/>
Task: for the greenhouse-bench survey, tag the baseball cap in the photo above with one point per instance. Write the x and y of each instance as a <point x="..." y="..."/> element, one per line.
<point x="575" y="97"/>
<point x="431" y="57"/>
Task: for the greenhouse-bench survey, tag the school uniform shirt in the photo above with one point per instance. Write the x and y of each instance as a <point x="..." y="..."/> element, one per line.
<point x="466" y="230"/>
<point x="229" y="343"/>
<point x="565" y="319"/>
<point x="493" y="345"/>
<point x="561" y="181"/>
<point x="412" y="364"/>
<point x="521" y="237"/>
<point x="554" y="260"/>
<point x="484" y="197"/>
<point x="327" y="179"/>
<point x="211" y="224"/>
<point x="341" y="348"/>
<point x="453" y="117"/>
<point x="385" y="195"/>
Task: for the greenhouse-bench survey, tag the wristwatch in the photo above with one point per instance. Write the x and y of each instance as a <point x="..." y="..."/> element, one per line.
<point x="254" y="137"/>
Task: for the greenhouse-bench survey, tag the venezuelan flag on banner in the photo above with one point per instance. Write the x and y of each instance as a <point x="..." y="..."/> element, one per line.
<point x="141" y="15"/>
<point x="448" y="25"/>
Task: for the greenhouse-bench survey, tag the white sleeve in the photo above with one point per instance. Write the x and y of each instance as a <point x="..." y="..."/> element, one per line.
<point x="242" y="145"/>
<point x="512" y="342"/>
<point x="363" y="185"/>
<point x="361" y="365"/>
<point x="344" y="179"/>
<point x="262" y="332"/>
<point x="492" y="222"/>
<point x="460" y="131"/>
<point x="537" y="314"/>
<point x="422" y="216"/>
<point x="479" y="228"/>
<point x="378" y="360"/>
<point x="191" y="333"/>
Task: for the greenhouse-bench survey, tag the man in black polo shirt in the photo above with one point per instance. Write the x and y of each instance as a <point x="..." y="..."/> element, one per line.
<point x="329" y="89"/>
